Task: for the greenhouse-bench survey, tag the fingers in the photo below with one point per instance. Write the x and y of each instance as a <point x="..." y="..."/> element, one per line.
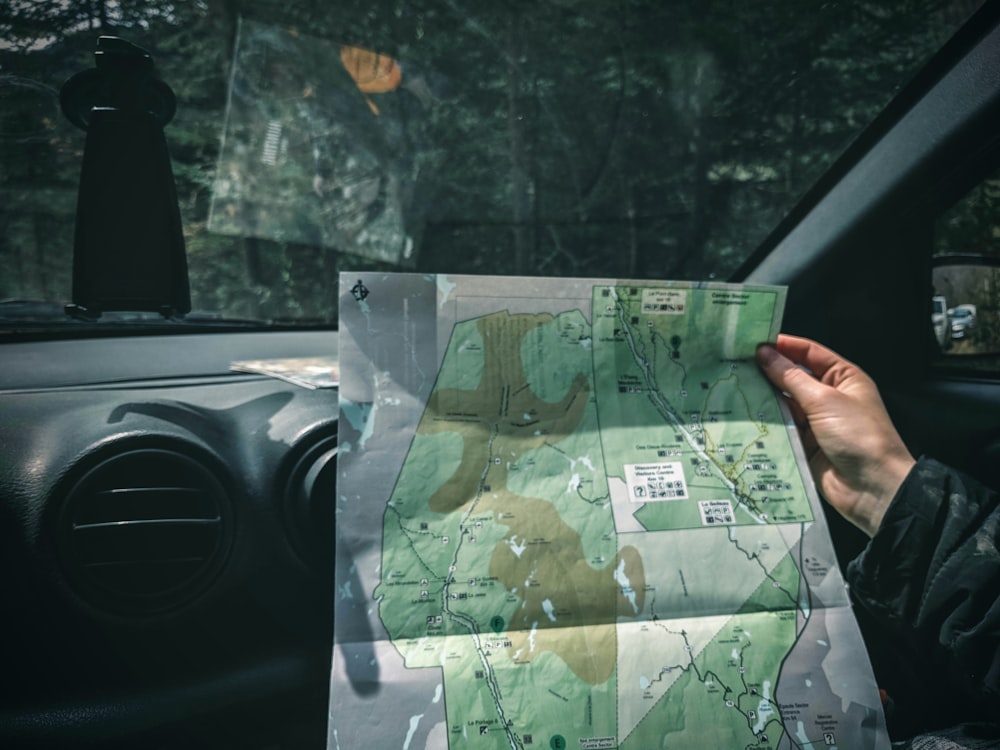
<point x="815" y="357"/>
<point x="799" y="416"/>
<point x="825" y="364"/>
<point x="785" y="373"/>
<point x="802" y="424"/>
<point x="809" y="443"/>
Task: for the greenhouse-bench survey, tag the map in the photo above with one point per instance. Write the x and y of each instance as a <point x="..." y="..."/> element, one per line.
<point x="572" y="514"/>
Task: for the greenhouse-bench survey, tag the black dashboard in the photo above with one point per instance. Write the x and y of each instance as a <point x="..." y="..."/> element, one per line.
<point x="167" y="541"/>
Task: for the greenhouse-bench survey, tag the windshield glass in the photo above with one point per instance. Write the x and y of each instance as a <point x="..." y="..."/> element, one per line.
<point x="630" y="139"/>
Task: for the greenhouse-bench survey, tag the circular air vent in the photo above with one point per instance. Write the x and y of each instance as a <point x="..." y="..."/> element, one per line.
<point x="311" y="499"/>
<point x="144" y="530"/>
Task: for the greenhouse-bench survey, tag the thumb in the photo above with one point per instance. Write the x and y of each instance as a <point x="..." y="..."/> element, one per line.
<point x="789" y="377"/>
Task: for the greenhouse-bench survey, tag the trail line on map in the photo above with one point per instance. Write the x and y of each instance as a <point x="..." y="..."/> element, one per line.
<point x="663" y="406"/>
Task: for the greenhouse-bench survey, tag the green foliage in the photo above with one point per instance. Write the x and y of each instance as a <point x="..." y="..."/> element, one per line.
<point x="628" y="138"/>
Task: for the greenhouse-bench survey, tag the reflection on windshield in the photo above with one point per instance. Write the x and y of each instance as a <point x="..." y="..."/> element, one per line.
<point x="627" y="139"/>
<point x="311" y="154"/>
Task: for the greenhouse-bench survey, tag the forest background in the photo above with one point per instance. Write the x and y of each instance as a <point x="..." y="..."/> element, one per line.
<point x="621" y="138"/>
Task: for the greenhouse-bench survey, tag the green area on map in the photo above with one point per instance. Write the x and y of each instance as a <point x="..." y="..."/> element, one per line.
<point x="584" y="534"/>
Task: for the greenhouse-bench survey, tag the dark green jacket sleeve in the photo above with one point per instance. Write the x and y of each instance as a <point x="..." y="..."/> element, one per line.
<point x="927" y="593"/>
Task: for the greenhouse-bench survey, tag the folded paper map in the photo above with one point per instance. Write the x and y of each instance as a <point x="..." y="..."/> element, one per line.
<point x="573" y="514"/>
<point x="309" y="372"/>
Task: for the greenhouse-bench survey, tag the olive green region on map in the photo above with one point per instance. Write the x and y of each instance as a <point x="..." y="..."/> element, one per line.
<point x="683" y="387"/>
<point x="462" y="547"/>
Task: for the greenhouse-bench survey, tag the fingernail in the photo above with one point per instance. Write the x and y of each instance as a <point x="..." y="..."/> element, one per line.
<point x="766" y="353"/>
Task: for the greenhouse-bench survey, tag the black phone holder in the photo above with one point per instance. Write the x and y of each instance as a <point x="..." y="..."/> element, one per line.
<point x="129" y="245"/>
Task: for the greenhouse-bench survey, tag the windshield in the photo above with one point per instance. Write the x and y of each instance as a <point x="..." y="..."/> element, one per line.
<point x="629" y="139"/>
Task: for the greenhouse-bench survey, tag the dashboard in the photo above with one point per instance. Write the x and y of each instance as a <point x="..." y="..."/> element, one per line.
<point x="168" y="540"/>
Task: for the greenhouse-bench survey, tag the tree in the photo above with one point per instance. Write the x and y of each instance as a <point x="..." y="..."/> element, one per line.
<point x="605" y="138"/>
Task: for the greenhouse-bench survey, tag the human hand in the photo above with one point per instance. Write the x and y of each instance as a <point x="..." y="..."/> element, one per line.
<point x="857" y="458"/>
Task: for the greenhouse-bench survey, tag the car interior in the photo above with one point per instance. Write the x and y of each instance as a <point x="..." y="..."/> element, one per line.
<point x="183" y="184"/>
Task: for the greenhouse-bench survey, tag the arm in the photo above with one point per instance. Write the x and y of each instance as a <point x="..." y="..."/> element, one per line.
<point x="931" y="579"/>
<point x="928" y="583"/>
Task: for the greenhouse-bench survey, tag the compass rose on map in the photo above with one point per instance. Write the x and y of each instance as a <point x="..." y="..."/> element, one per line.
<point x="360" y="291"/>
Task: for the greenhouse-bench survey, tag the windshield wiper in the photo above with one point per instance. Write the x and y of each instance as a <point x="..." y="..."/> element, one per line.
<point x="35" y="313"/>
<point x="31" y="310"/>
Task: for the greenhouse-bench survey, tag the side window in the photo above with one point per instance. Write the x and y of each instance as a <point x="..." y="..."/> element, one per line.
<point x="965" y="301"/>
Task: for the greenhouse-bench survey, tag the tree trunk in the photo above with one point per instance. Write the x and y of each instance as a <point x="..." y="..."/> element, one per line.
<point x="520" y="182"/>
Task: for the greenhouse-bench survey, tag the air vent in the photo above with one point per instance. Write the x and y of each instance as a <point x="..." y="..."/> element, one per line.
<point x="311" y="498"/>
<point x="144" y="531"/>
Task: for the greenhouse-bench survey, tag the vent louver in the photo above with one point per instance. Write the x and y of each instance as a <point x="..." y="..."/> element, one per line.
<point x="144" y="530"/>
<point x="311" y="499"/>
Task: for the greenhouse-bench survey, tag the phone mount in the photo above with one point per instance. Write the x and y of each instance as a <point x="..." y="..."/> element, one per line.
<point x="129" y="246"/>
